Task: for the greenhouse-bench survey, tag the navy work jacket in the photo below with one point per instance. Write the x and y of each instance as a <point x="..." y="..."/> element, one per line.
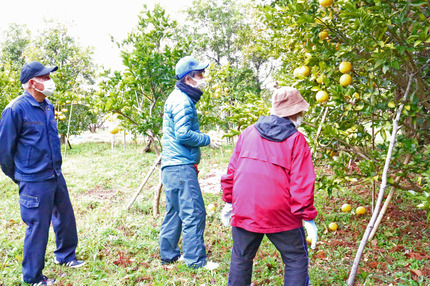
<point x="30" y="148"/>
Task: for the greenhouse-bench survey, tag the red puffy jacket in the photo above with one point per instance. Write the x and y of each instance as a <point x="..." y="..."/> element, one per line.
<point x="271" y="184"/>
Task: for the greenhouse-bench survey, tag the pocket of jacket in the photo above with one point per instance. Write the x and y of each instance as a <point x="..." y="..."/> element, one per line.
<point x="28" y="201"/>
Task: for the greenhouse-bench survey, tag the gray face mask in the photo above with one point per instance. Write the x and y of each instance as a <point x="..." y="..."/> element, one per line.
<point x="200" y="83"/>
<point x="49" y="87"/>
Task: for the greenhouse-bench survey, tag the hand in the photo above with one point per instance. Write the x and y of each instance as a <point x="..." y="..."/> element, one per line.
<point x="215" y="143"/>
<point x="226" y="214"/>
<point x="312" y="231"/>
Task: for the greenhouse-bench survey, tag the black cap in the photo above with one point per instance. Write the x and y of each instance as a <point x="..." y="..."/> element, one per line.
<point x="33" y="69"/>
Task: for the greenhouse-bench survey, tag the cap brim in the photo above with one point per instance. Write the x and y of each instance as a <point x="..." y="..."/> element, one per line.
<point x="201" y="66"/>
<point x="46" y="71"/>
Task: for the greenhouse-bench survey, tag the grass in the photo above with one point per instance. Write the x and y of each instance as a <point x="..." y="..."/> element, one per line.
<point x="121" y="247"/>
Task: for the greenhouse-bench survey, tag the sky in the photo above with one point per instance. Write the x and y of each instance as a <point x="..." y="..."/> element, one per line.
<point x="91" y="22"/>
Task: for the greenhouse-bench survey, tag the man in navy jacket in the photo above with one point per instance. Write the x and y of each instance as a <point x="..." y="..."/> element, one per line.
<point x="30" y="155"/>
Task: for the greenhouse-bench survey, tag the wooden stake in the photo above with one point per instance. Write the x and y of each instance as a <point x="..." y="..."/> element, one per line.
<point x="68" y="129"/>
<point x="156" y="203"/>
<point x="144" y="181"/>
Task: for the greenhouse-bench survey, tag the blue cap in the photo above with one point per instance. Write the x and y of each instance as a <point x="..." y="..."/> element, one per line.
<point x="33" y="69"/>
<point x="188" y="64"/>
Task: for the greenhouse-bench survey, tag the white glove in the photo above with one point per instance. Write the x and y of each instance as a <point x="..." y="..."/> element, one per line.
<point x="215" y="143"/>
<point x="312" y="231"/>
<point x="226" y="214"/>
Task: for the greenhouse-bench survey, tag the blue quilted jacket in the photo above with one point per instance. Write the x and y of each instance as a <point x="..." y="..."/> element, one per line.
<point x="182" y="138"/>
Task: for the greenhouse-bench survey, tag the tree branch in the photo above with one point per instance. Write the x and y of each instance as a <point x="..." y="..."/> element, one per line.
<point x="383" y="186"/>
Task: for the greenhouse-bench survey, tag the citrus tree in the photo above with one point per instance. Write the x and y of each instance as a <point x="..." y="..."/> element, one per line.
<point x="149" y="54"/>
<point x="73" y="79"/>
<point x="351" y="60"/>
<point x="358" y="63"/>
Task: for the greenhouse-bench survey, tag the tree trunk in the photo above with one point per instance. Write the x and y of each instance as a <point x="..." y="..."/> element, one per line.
<point x="387" y="201"/>
<point x="156" y="202"/>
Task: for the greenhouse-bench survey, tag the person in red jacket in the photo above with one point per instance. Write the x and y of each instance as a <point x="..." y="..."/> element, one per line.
<point x="269" y="190"/>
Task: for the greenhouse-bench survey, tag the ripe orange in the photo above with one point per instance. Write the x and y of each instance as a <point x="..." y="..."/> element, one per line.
<point x="114" y="130"/>
<point x="305" y="70"/>
<point x="332" y="226"/>
<point x="323" y="35"/>
<point x="346" y="208"/>
<point x="326" y="3"/>
<point x="345" y="67"/>
<point x="322" y="96"/>
<point x="360" y="211"/>
<point x="345" y="79"/>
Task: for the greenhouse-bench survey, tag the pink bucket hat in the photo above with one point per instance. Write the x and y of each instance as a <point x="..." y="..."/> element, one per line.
<point x="288" y="101"/>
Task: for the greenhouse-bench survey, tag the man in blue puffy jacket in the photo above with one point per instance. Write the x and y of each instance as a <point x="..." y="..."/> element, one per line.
<point x="182" y="139"/>
<point x="30" y="155"/>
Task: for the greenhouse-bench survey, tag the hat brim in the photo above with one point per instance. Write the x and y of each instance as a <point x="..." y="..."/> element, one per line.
<point x="201" y="66"/>
<point x="46" y="71"/>
<point x="289" y="111"/>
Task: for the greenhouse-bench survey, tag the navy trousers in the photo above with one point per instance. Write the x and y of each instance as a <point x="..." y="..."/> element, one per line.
<point x="41" y="202"/>
<point x="291" y="244"/>
<point x="185" y="212"/>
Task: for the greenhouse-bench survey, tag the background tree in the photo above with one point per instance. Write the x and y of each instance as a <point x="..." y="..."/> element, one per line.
<point x="226" y="33"/>
<point x="149" y="53"/>
<point x="74" y="78"/>
<point x="15" y="40"/>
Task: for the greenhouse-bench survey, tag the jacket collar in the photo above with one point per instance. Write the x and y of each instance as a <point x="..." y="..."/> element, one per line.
<point x="33" y="101"/>
<point x="193" y="93"/>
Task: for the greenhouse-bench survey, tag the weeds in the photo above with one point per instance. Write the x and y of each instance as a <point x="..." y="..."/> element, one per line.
<point x="121" y="247"/>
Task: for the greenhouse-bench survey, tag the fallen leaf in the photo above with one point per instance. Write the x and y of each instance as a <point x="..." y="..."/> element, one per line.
<point x="416" y="272"/>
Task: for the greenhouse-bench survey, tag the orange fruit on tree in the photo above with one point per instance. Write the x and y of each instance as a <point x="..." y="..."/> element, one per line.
<point x="320" y="79"/>
<point x="345" y="67"/>
<point x="305" y="70"/>
<point x="321" y="96"/>
<point x="114" y="130"/>
<point x="346" y="208"/>
<point x="332" y="226"/>
<point x="360" y="211"/>
<point x="345" y="79"/>
<point x="323" y="35"/>
<point x="326" y="3"/>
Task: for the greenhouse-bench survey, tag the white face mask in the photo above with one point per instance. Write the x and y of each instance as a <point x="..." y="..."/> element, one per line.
<point x="49" y="87"/>
<point x="200" y="83"/>
<point x="298" y="121"/>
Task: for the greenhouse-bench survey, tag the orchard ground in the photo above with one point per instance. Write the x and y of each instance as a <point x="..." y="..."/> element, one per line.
<point x="121" y="247"/>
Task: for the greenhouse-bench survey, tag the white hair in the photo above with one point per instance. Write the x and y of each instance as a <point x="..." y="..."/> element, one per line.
<point x="26" y="85"/>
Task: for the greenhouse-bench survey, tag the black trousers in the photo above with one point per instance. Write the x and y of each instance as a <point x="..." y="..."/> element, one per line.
<point x="291" y="244"/>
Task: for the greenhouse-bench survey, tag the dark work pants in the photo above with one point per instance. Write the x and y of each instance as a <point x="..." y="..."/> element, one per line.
<point x="40" y="202"/>
<point x="291" y="244"/>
